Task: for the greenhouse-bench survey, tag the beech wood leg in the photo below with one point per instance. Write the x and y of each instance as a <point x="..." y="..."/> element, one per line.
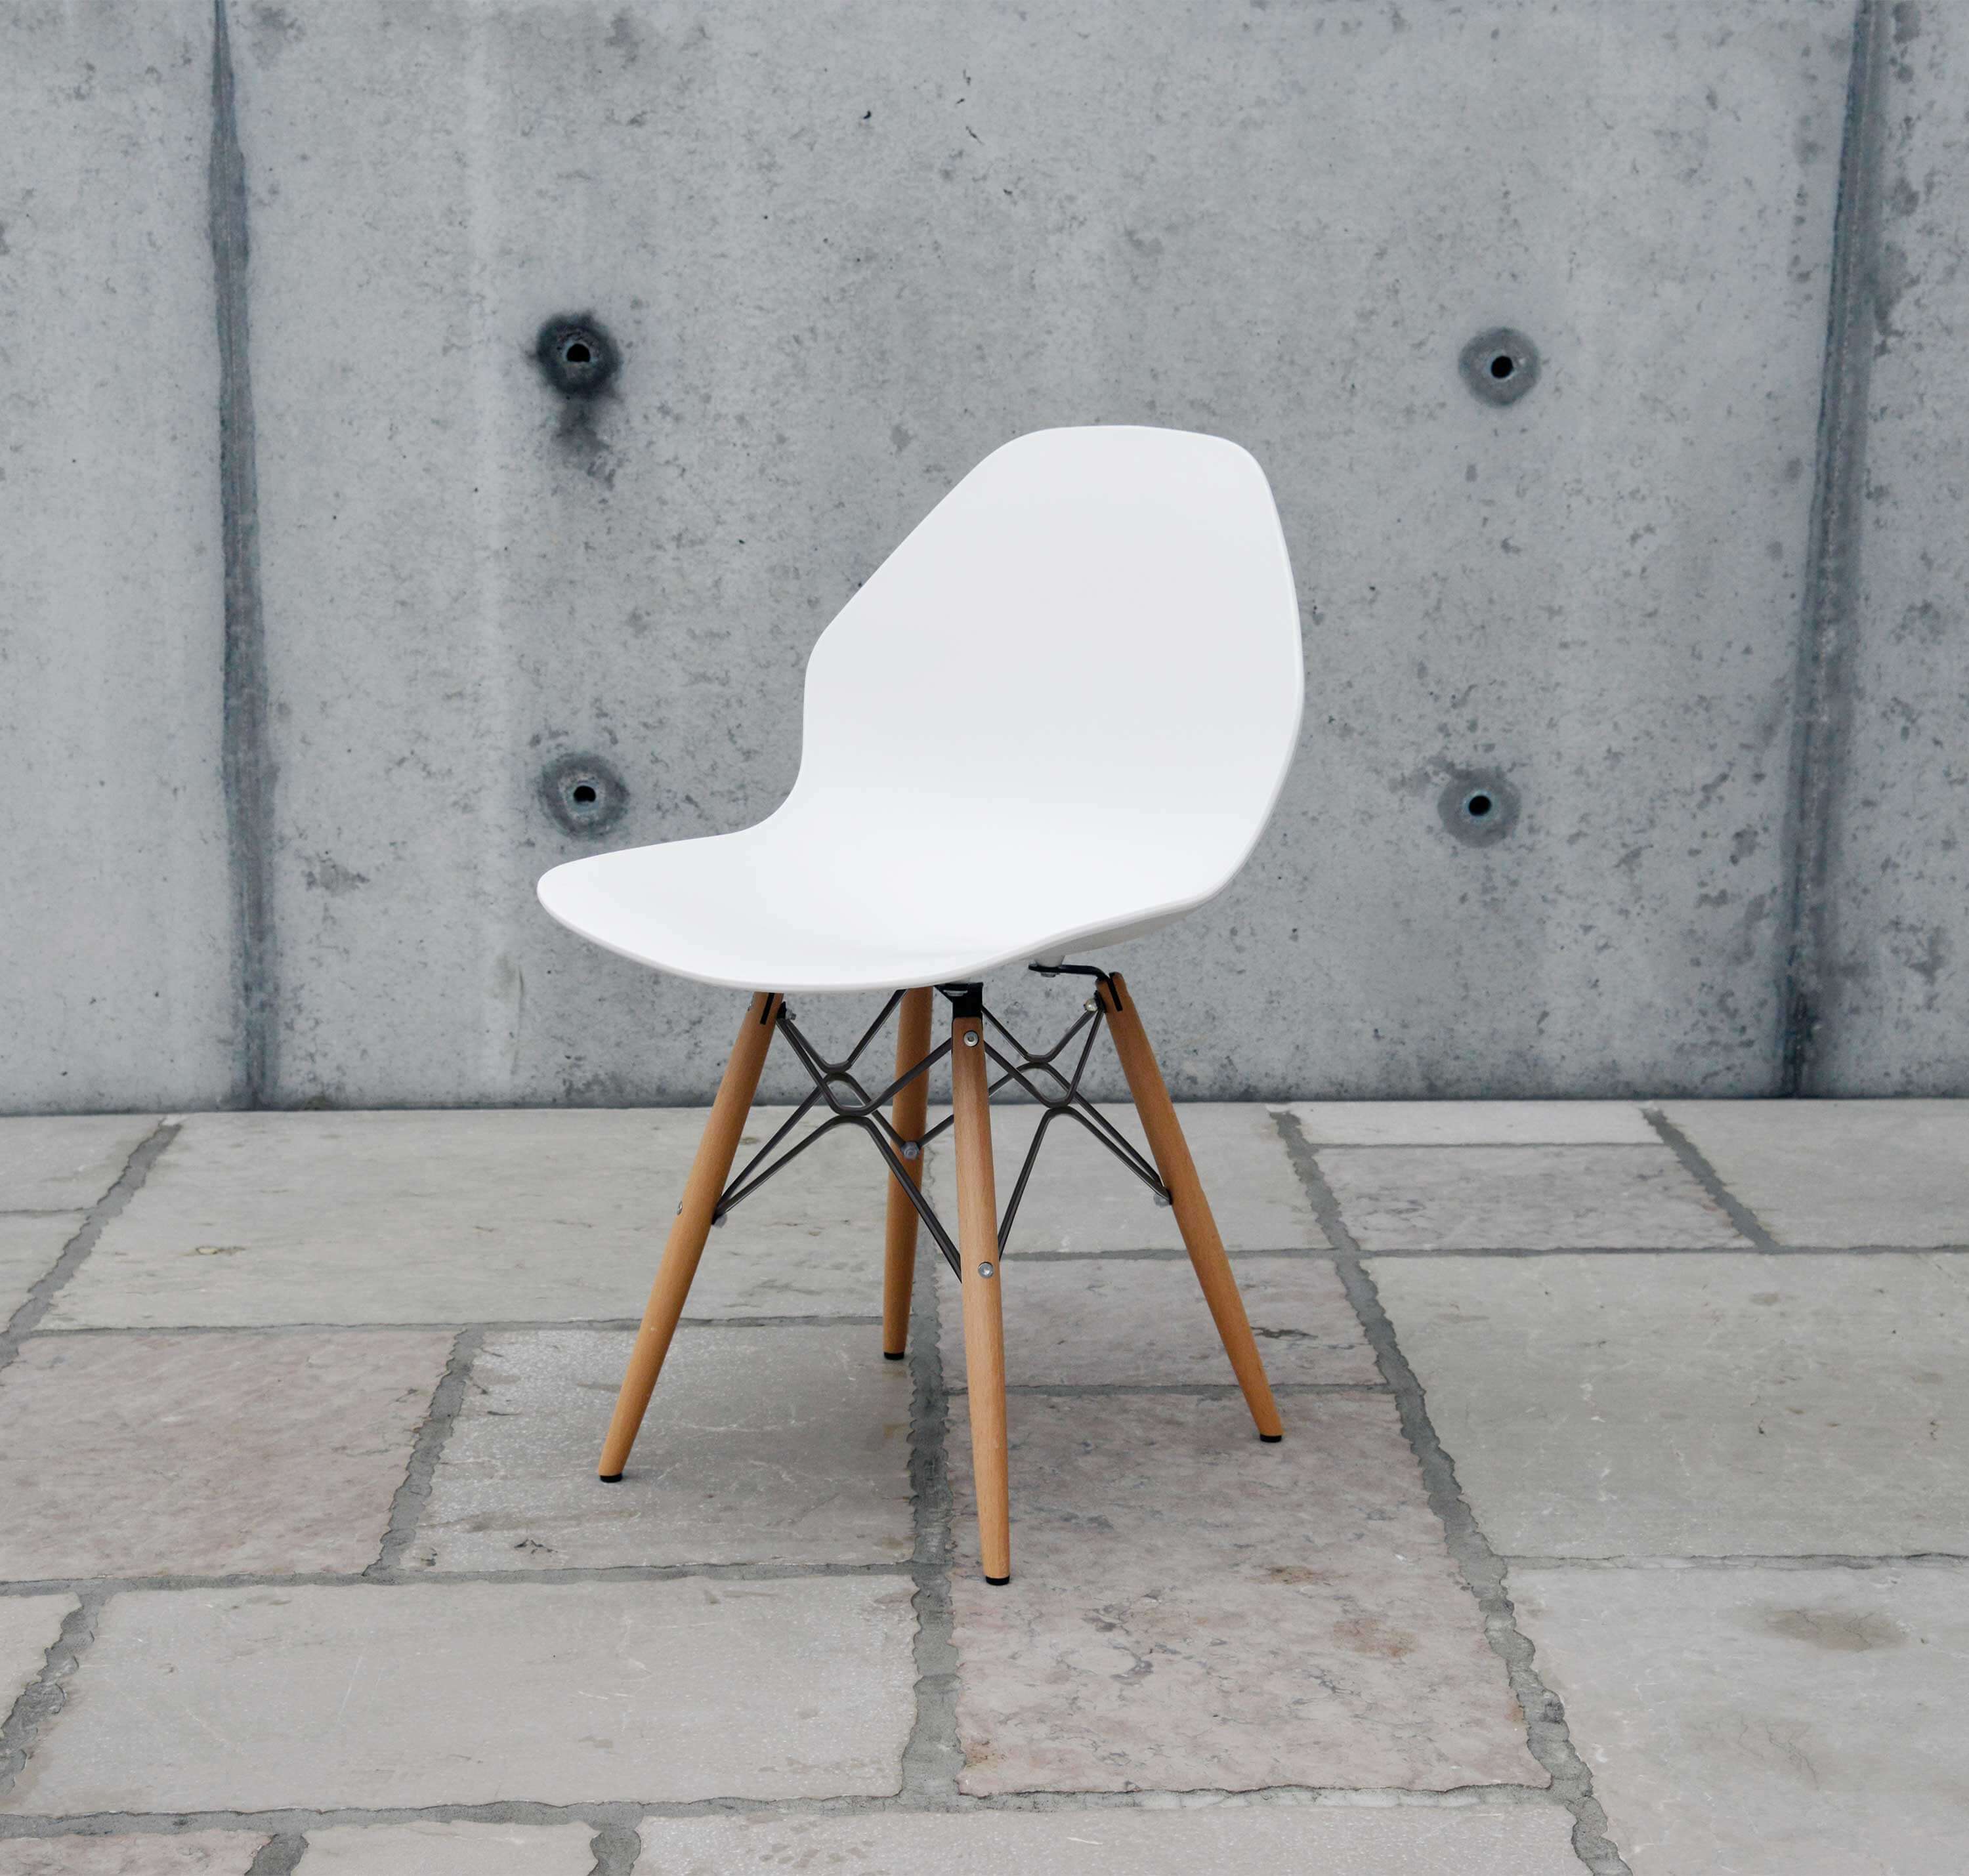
<point x="983" y="1324"/>
<point x="912" y="1113"/>
<point x="685" y="1245"/>
<point x="1192" y="1209"/>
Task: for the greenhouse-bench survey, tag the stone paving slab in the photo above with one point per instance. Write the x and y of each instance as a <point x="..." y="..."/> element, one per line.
<point x="147" y="1455"/>
<point x="1766" y="1722"/>
<point x="1081" y="1198"/>
<point x="1472" y="1198"/>
<point x="761" y="1445"/>
<point x="66" y="1162"/>
<point x="1746" y="1404"/>
<point x="1192" y="1610"/>
<point x="1837" y="1173"/>
<point x="377" y="1697"/>
<point x="28" y="1627"/>
<point x="1473" y="1124"/>
<point x="1254" y="1840"/>
<point x="517" y="1215"/>
<point x="29" y="1245"/>
<point x="427" y="1849"/>
<point x="1138" y="1323"/>
<point x="193" y="1853"/>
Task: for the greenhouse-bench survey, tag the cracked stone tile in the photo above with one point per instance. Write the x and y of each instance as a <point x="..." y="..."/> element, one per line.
<point x="194" y="1853"/>
<point x="66" y="1162"/>
<point x="1081" y="1198"/>
<point x="1837" y="1173"/>
<point x="1609" y="1406"/>
<point x="456" y="1216"/>
<point x="29" y="1245"/>
<point x="377" y="1697"/>
<point x="1768" y="1722"/>
<point x="763" y="1446"/>
<point x="1471" y="1198"/>
<point x="28" y="1627"/>
<point x="1137" y="1323"/>
<point x="427" y="1849"/>
<point x="1473" y="1124"/>
<point x="143" y="1455"/>
<point x="1191" y="1610"/>
<point x="1255" y="1840"/>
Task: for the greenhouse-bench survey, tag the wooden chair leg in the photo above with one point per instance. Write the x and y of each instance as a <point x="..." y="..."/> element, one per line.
<point x="912" y="1113"/>
<point x="984" y="1325"/>
<point x="708" y="1171"/>
<point x="1192" y="1209"/>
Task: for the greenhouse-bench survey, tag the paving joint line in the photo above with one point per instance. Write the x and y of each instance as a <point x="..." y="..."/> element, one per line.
<point x="1799" y="1560"/>
<point x="278" y="1856"/>
<point x="408" y="1507"/>
<point x="43" y="1291"/>
<point x="932" y="1757"/>
<point x="1670" y="1250"/>
<point x="1546" y="1731"/>
<point x="1470" y="1146"/>
<point x="41" y="1701"/>
<point x="618" y="1815"/>
<point x="1183" y="1390"/>
<point x="615" y="1848"/>
<point x="1705" y="1175"/>
<point x="410" y="1578"/>
<point x="506" y="1326"/>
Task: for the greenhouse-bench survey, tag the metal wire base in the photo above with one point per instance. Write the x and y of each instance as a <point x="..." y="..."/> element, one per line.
<point x="851" y="1105"/>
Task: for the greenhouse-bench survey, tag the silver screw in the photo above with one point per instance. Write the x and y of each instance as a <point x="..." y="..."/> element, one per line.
<point x="971" y="1039"/>
<point x="912" y="1149"/>
<point x="985" y="1270"/>
<point x="1164" y="1199"/>
<point x="1090" y="1005"/>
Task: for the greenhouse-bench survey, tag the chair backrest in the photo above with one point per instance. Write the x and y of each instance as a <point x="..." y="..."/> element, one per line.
<point x="1098" y="619"/>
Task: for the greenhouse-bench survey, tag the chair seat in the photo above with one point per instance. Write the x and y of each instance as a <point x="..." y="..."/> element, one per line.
<point x="872" y="888"/>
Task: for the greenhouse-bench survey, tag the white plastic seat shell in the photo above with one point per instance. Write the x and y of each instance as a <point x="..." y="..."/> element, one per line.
<point x="1059" y="715"/>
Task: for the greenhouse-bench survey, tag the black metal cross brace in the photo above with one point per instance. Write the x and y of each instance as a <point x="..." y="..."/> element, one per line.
<point x="851" y="1105"/>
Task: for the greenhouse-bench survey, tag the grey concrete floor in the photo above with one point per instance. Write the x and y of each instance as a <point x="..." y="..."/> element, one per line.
<point x="1622" y="1520"/>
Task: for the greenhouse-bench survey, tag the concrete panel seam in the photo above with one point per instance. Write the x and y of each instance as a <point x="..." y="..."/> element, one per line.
<point x="1705" y="1175"/>
<point x="1822" y="701"/>
<point x="246" y="759"/>
<point x="1482" y="1571"/>
<point x="408" y="1507"/>
<point x="42" y="1293"/>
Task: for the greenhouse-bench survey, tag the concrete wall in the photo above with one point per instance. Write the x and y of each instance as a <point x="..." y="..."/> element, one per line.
<point x="310" y="573"/>
<point x="1895" y="940"/>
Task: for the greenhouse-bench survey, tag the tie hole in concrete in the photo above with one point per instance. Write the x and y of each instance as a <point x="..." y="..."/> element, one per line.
<point x="1500" y="366"/>
<point x="576" y="355"/>
<point x="1478" y="808"/>
<point x="584" y="795"/>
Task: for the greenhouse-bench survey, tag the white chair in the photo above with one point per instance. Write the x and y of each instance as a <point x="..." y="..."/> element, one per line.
<point x="1057" y="717"/>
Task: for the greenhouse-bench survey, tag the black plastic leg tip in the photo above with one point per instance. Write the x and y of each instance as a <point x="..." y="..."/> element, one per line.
<point x="997" y="1583"/>
<point x="610" y="1478"/>
<point x="897" y="1356"/>
<point x="1271" y="1439"/>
